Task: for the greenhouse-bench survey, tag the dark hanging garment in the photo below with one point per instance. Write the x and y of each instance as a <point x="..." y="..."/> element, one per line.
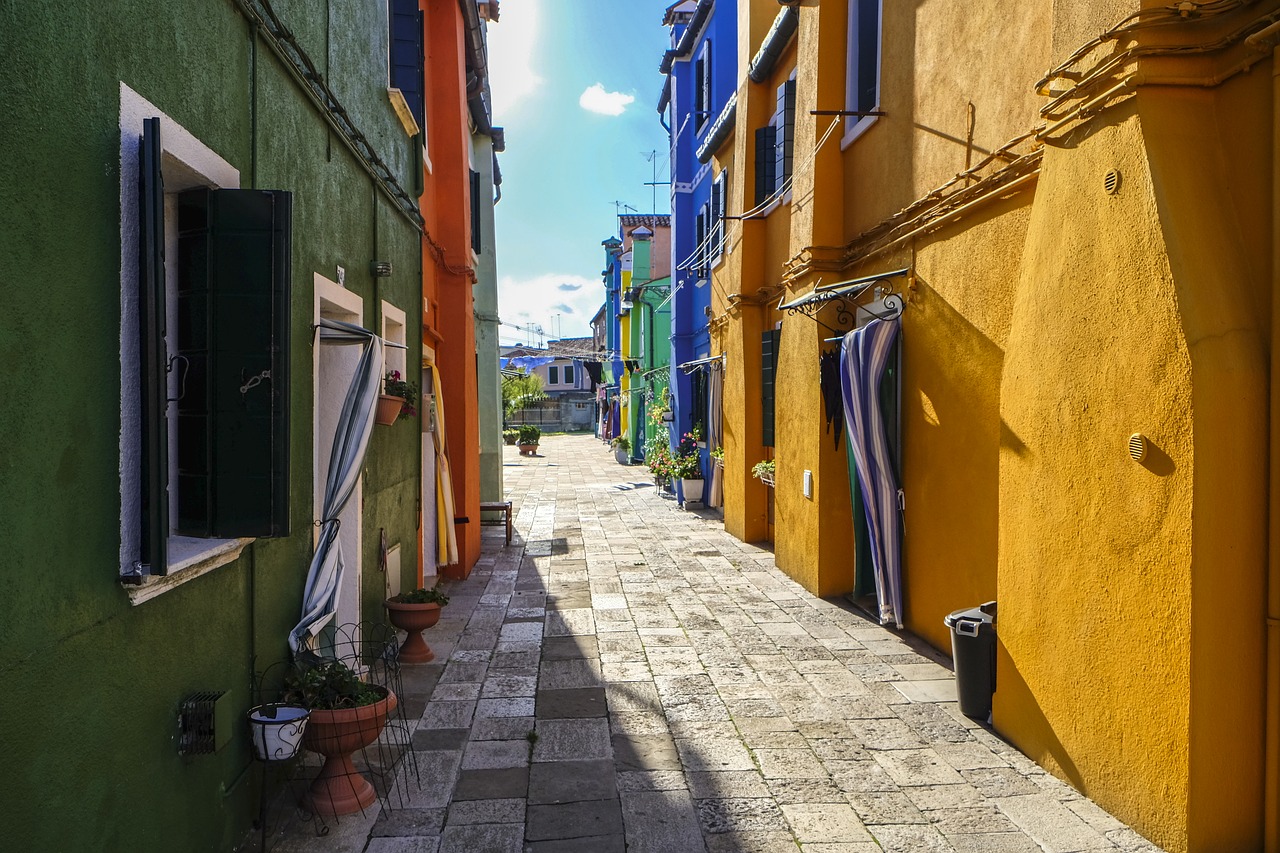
<point x="594" y="370"/>
<point x="832" y="399"/>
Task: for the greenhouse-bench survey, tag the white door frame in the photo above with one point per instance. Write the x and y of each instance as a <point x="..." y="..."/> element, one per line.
<point x="332" y="369"/>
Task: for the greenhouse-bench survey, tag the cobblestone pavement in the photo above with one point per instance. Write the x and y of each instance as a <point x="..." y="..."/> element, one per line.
<point x="627" y="676"/>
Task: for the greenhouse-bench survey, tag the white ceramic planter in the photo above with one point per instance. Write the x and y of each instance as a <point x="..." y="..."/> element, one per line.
<point x="623" y="456"/>
<point x="692" y="490"/>
<point x="277" y="730"/>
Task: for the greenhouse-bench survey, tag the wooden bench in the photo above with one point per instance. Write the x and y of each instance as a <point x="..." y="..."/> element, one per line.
<point x="503" y="507"/>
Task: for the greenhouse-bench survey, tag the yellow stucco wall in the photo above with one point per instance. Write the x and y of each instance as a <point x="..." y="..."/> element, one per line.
<point x="1043" y="329"/>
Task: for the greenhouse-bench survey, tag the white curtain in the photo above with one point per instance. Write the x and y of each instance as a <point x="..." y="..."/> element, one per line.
<point x="350" y="442"/>
<point x="864" y="353"/>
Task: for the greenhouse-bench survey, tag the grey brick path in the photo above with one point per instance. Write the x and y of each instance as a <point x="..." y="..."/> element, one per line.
<point x="627" y="676"/>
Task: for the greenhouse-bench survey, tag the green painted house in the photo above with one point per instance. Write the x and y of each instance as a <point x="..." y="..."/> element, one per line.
<point x="190" y="189"/>
<point x="649" y="340"/>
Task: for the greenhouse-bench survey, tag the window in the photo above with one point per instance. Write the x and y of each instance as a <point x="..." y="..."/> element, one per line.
<point x="553" y="376"/>
<point x="702" y="87"/>
<point x="698" y="408"/>
<point x="701" y="229"/>
<point x="768" y="372"/>
<point x="205" y="274"/>
<point x="717" y="211"/>
<point x="862" y="91"/>
<point x="568" y="375"/>
<point x="407" y="56"/>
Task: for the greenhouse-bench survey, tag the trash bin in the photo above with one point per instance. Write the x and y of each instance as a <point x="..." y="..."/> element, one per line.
<point x="973" y="651"/>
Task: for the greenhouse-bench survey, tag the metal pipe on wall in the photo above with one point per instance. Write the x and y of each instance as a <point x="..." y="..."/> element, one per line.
<point x="1271" y="760"/>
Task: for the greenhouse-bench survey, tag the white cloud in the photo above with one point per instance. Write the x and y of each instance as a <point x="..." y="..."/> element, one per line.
<point x="537" y="301"/>
<point x="595" y="99"/>
<point x="511" y="46"/>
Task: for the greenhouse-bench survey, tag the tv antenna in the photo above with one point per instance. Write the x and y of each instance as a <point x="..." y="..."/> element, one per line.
<point x="619" y="206"/>
<point x="652" y="157"/>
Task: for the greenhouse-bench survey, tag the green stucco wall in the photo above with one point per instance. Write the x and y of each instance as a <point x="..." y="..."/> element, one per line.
<point x="92" y="684"/>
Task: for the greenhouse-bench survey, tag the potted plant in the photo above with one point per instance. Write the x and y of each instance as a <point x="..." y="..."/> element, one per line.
<point x="397" y="398"/>
<point x="621" y="449"/>
<point x="763" y="471"/>
<point x="659" y="460"/>
<point x="414" y="612"/>
<point x="527" y="439"/>
<point x="347" y="714"/>
<point x="687" y="466"/>
<point x="510" y="435"/>
<point x="717" y="457"/>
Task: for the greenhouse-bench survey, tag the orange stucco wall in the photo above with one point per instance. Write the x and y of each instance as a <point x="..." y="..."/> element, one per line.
<point x="449" y="324"/>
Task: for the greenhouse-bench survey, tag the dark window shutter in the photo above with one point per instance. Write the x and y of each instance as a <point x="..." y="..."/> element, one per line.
<point x="154" y="358"/>
<point x="476" y="243"/>
<point x="704" y="78"/>
<point x="719" y="197"/>
<point x="233" y="315"/>
<point x="785" y="118"/>
<point x="568" y="375"/>
<point x="764" y="163"/>
<point x="407" y="55"/>
<point x="698" y="418"/>
<point x="768" y="369"/>
<point x="553" y="375"/>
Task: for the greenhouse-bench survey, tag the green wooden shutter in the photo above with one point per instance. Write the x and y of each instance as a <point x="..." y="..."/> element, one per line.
<point x="154" y="360"/>
<point x="765" y="180"/>
<point x="233" y="313"/>
<point x="768" y="370"/>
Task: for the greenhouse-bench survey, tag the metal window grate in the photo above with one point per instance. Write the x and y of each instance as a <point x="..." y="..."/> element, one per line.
<point x="196" y="723"/>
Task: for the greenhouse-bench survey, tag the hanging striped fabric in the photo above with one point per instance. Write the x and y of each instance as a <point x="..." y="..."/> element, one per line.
<point x="864" y="353"/>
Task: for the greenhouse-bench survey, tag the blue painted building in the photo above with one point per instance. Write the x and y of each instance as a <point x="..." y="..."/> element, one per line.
<point x="697" y="108"/>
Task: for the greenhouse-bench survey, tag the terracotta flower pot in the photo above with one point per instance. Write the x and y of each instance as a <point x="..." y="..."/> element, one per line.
<point x="340" y="789"/>
<point x="388" y="409"/>
<point x="413" y="618"/>
<point x="528" y="449"/>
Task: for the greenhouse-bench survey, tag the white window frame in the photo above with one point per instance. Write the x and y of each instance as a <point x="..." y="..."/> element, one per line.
<point x="186" y="163"/>
<point x="855" y="126"/>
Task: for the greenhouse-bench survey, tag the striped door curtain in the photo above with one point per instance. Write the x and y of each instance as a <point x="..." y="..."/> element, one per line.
<point x="864" y="354"/>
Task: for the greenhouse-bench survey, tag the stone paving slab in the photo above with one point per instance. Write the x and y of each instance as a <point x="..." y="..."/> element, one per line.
<point x="626" y="676"/>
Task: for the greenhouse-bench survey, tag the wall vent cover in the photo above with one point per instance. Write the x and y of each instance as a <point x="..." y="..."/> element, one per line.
<point x="1112" y="182"/>
<point x="1138" y="446"/>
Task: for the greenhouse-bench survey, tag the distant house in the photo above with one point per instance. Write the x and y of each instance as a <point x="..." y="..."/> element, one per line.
<point x="562" y="366"/>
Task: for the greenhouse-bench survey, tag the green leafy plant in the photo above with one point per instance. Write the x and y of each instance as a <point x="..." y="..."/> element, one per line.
<point x="393" y="385"/>
<point x="422" y="596"/>
<point x="329" y="685"/>
<point x="520" y="391"/>
<point x="621" y="443"/>
<point x="762" y="469"/>
<point x="660" y="460"/>
<point x="717" y="453"/>
<point x="686" y="466"/>
<point x="510" y="435"/>
<point x="529" y="434"/>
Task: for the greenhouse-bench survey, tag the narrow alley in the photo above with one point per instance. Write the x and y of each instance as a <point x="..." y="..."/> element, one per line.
<point x="627" y="676"/>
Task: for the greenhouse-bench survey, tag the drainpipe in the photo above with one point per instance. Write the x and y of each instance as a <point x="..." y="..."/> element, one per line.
<point x="1271" y="785"/>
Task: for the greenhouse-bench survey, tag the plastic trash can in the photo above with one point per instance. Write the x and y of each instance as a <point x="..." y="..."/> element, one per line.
<point x="973" y="651"/>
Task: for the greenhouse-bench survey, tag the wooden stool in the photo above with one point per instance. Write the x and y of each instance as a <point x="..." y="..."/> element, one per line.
<point x="503" y="507"/>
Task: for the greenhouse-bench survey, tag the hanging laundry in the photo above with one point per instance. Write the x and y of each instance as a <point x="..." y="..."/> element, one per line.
<point x="594" y="370"/>
<point x="832" y="397"/>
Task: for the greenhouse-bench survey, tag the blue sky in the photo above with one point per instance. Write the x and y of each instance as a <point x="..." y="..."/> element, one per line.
<point x="562" y="74"/>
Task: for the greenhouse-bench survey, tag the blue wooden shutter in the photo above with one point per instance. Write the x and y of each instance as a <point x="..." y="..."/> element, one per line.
<point x="154" y="359"/>
<point x="407" y="55"/>
<point x="768" y="374"/>
<point x="700" y="103"/>
<point x="233" y="314"/>
<point x="765" y="180"/>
